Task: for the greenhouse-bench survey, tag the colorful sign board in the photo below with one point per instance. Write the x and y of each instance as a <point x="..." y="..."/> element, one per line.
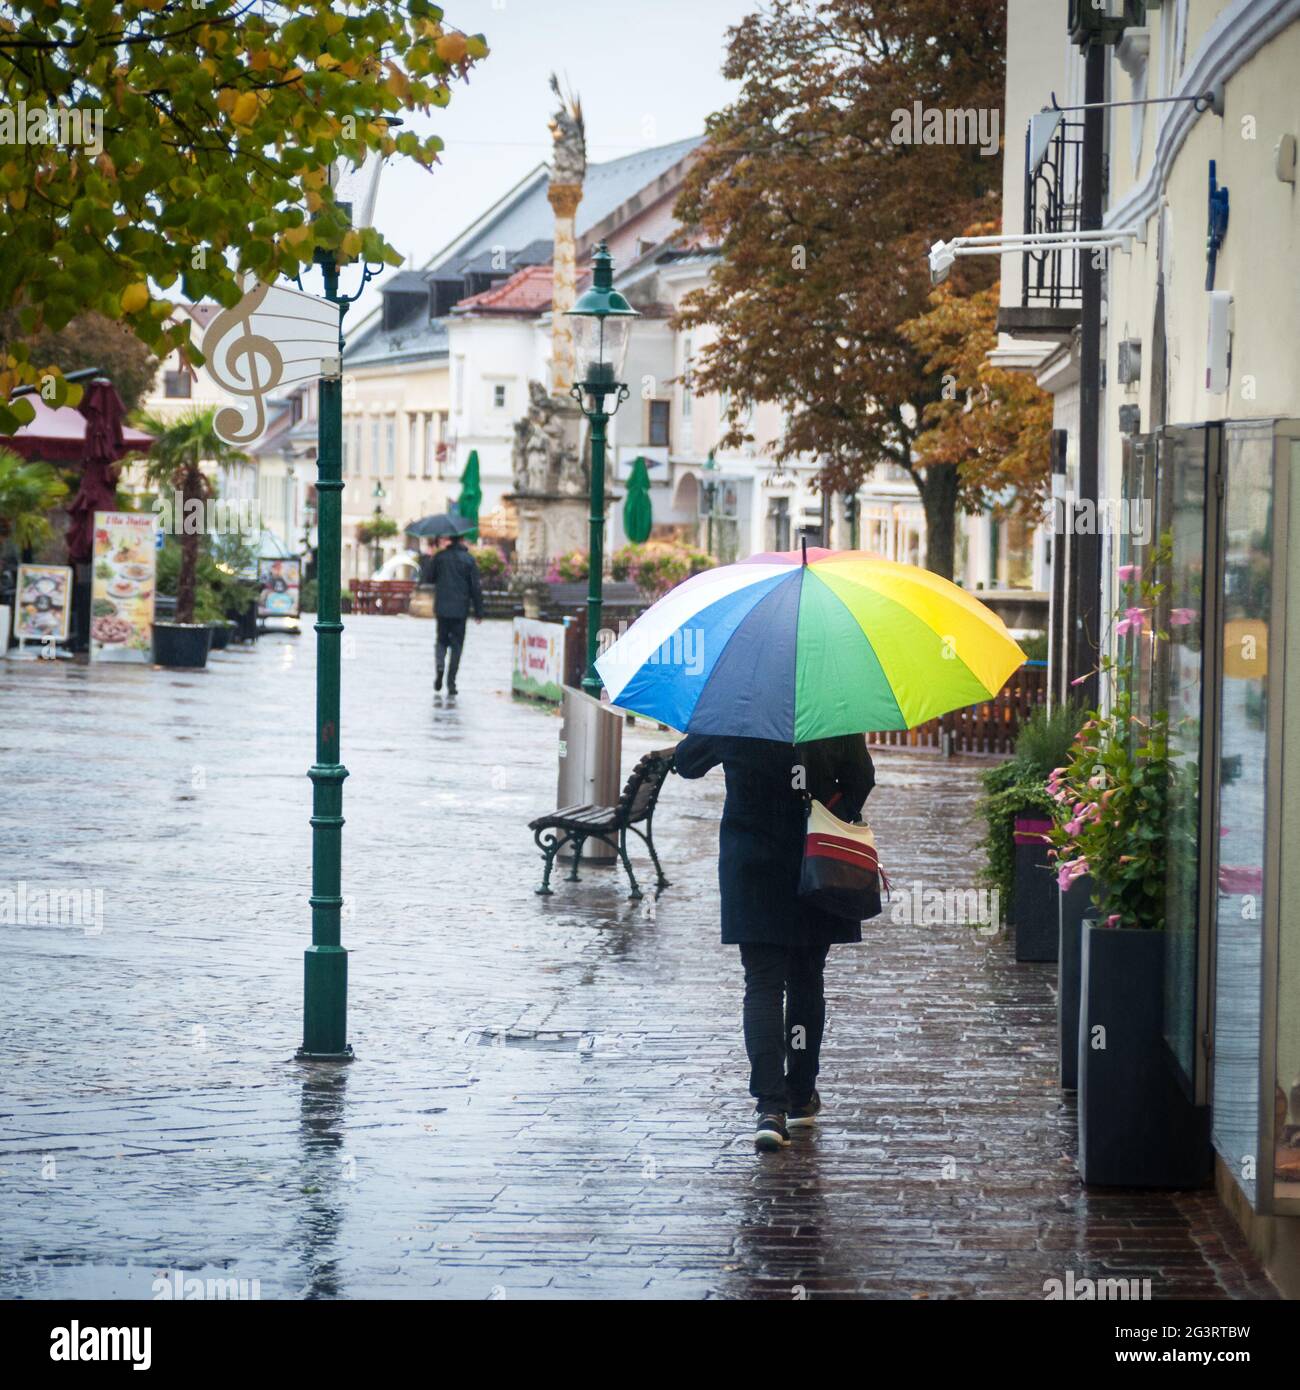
<point x="124" y="573"/>
<point x="538" y="669"/>
<point x="43" y="601"/>
<point x="280" y="585"/>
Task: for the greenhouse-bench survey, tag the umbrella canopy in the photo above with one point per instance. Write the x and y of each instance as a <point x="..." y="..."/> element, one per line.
<point x="791" y="647"/>
<point x="64" y="434"/>
<point x="471" y="494"/>
<point x="444" y="524"/>
<point x="638" y="517"/>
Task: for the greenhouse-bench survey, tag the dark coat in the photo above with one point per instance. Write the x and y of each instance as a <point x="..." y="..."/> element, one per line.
<point x="458" y="588"/>
<point x="761" y="841"/>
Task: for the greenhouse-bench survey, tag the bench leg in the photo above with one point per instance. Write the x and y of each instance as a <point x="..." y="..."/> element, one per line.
<point x="577" y="842"/>
<point x="662" y="882"/>
<point x="552" y="845"/>
<point x="627" y="864"/>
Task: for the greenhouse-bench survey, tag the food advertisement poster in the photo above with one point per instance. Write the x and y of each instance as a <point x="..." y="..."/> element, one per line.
<point x="538" y="660"/>
<point x="279" y="582"/>
<point x="44" y="603"/>
<point x="122" y="592"/>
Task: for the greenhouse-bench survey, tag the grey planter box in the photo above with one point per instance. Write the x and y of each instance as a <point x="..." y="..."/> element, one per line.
<point x="1071" y="910"/>
<point x="1136" y="1127"/>
<point x="1033" y="897"/>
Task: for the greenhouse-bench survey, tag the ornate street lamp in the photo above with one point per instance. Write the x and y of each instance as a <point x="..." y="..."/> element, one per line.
<point x="325" y="969"/>
<point x="376" y="541"/>
<point x="602" y="325"/>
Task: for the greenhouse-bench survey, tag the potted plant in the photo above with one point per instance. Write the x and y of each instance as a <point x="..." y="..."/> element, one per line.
<point x="1136" y="1127"/>
<point x="183" y="444"/>
<point x="1016" y="809"/>
<point x="28" y="493"/>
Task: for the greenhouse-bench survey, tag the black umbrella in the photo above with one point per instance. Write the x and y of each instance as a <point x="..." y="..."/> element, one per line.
<point x="444" y="524"/>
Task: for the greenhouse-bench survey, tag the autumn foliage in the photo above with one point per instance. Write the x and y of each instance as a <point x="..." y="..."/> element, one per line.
<point x="823" y="220"/>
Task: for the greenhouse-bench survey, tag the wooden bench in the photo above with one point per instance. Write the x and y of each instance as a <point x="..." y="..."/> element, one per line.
<point x="572" y="826"/>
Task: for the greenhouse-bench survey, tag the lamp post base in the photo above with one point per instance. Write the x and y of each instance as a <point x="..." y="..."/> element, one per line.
<point x="325" y="1011"/>
<point x="302" y="1055"/>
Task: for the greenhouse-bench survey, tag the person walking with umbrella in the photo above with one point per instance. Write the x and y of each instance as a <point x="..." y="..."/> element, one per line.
<point x="775" y="668"/>
<point x="457" y="592"/>
<point x="783" y="939"/>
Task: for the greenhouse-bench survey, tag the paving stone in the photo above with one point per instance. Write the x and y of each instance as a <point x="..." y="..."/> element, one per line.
<point x="549" y="1097"/>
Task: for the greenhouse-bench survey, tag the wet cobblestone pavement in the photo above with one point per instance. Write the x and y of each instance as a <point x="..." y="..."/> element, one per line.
<point x="549" y="1097"/>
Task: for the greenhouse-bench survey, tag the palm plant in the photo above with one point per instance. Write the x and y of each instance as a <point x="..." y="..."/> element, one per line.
<point x="182" y="444"/>
<point x="28" y="493"/>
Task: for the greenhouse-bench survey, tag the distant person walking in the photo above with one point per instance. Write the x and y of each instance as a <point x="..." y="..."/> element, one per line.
<point x="457" y="591"/>
<point x="783" y="939"/>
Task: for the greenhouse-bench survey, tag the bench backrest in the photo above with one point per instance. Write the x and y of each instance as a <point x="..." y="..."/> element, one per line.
<point x="643" y="786"/>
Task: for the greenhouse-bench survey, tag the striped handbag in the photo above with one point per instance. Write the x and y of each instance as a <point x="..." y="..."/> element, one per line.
<point x="841" y="872"/>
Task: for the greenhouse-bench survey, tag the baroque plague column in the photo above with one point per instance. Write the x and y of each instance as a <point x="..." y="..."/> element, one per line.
<point x="550" y="471"/>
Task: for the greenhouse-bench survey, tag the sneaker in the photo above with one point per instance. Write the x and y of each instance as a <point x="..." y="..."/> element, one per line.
<point x="806" y="1113"/>
<point x="437" y="681"/>
<point x="451" y="687"/>
<point x="771" y="1134"/>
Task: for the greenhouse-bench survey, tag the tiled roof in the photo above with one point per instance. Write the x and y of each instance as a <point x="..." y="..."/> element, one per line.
<point x="528" y="216"/>
<point x="527" y="291"/>
<point x="521" y="220"/>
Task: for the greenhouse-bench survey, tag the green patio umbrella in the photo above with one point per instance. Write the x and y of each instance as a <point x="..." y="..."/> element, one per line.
<point x="637" y="515"/>
<point x="471" y="494"/>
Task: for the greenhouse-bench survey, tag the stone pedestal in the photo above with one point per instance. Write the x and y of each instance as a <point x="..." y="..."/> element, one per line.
<point x="550" y="524"/>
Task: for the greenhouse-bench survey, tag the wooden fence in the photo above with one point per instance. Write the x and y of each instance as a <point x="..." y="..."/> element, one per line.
<point x="989" y="727"/>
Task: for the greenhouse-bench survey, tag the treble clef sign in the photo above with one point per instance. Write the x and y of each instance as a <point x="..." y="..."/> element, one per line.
<point x="243" y="362"/>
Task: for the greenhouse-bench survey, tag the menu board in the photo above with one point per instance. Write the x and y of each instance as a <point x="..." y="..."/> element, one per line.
<point x="538" y="668"/>
<point x="122" y="590"/>
<point x="44" y="603"/>
<point x="278" y="582"/>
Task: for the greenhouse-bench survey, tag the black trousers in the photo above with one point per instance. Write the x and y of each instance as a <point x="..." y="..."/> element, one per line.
<point x="785" y="1018"/>
<point x="451" y="638"/>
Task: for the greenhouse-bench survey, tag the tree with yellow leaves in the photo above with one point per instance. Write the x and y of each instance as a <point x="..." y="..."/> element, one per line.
<point x="146" y="144"/>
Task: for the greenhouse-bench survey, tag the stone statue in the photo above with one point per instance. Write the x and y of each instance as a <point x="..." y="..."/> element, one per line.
<point x="569" y="131"/>
<point x="543" y="460"/>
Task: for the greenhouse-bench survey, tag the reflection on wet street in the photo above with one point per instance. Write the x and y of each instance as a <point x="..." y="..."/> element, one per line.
<point x="549" y="1093"/>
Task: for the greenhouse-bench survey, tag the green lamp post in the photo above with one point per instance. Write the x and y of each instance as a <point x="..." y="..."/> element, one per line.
<point x="602" y="325"/>
<point x="325" y="962"/>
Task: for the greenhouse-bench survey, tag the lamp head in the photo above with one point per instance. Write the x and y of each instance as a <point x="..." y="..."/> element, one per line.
<point x="602" y="323"/>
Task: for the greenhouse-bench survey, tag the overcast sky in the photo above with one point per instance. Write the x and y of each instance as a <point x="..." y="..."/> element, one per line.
<point x="648" y="73"/>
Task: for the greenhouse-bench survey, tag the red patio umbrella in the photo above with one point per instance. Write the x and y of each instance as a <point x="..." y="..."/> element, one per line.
<point x="91" y="435"/>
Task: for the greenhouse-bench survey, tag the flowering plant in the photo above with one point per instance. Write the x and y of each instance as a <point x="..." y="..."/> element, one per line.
<point x="1111" y="797"/>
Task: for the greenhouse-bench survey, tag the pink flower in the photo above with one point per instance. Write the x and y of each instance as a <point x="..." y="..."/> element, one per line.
<point x="1079" y="680"/>
<point x="1073" y="827"/>
<point x="1127" y="572"/>
<point x="1180" y="617"/>
<point x="1133" y="620"/>
<point x="1113" y="919"/>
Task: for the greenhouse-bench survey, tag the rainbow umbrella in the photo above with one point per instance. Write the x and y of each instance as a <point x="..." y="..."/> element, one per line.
<point x="799" y="646"/>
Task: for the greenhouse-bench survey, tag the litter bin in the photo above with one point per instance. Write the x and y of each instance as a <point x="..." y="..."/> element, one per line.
<point x="591" y="759"/>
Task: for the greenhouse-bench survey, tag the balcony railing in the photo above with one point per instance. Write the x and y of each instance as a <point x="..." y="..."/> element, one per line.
<point x="1052" y="192"/>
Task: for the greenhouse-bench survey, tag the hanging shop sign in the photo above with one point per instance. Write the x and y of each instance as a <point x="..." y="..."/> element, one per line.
<point x="272" y="338"/>
<point x="280" y="587"/>
<point x="124" y="574"/>
<point x="43" y="601"/>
